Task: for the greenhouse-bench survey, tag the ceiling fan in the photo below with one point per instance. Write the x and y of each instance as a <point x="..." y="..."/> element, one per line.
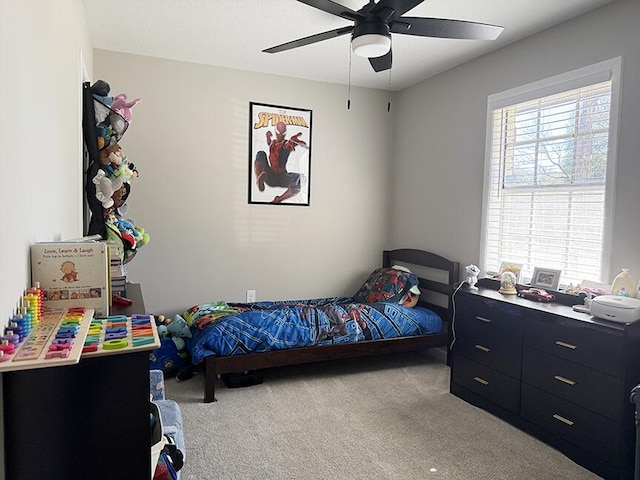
<point x="376" y="21"/>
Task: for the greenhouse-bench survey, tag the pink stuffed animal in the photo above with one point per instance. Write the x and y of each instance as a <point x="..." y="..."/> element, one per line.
<point x="122" y="106"/>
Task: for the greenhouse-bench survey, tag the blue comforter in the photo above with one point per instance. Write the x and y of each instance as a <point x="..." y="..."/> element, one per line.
<point x="224" y="329"/>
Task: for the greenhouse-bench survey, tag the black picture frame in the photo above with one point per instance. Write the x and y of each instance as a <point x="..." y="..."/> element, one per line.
<point x="279" y="155"/>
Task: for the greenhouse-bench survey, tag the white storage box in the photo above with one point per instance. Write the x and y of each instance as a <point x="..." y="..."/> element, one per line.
<point x="616" y="308"/>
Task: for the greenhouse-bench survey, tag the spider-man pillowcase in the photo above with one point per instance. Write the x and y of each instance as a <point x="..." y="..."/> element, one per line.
<point x="386" y="285"/>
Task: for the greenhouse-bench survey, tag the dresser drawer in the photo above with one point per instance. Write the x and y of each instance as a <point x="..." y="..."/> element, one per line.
<point x="489" y="332"/>
<point x="594" y="433"/>
<point x="591" y="345"/>
<point x="501" y="356"/>
<point x="486" y="382"/>
<point x="479" y="316"/>
<point x="588" y="388"/>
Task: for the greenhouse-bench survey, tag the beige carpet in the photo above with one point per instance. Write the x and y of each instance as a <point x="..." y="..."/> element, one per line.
<point x="389" y="418"/>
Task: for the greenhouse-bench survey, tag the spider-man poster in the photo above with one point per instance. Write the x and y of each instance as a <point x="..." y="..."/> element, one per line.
<point x="280" y="155"/>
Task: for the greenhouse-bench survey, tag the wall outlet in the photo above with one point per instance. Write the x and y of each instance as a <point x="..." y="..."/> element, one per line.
<point x="251" y="296"/>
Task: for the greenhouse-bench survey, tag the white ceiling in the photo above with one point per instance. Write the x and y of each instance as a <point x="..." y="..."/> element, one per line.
<point x="233" y="33"/>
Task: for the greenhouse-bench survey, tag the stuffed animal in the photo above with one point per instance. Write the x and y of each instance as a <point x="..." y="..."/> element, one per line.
<point x="123" y="108"/>
<point x="145" y="237"/>
<point x="104" y="133"/>
<point x="128" y="231"/>
<point x="126" y="169"/>
<point x="178" y="327"/>
<point x="172" y="356"/>
<point x="119" y="198"/>
<point x="105" y="187"/>
<point x="111" y="154"/>
<point x="100" y="91"/>
<point x="116" y="160"/>
<point x="100" y="88"/>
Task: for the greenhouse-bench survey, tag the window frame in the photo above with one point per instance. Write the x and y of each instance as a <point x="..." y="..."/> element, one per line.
<point x="607" y="70"/>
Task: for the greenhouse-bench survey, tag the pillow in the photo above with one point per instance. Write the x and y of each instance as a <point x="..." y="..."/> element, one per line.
<point x="386" y="285"/>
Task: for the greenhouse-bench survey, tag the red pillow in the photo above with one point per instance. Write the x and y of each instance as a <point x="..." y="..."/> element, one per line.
<point x="386" y="285"/>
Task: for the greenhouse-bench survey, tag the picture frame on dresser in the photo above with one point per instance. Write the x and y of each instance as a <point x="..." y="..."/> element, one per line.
<point x="546" y="278"/>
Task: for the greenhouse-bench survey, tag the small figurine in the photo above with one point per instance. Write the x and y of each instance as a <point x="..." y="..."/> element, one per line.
<point x="472" y="275"/>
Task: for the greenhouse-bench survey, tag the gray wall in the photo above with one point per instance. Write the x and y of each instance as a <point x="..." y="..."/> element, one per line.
<point x="411" y="178"/>
<point x="189" y="139"/>
<point x="440" y="134"/>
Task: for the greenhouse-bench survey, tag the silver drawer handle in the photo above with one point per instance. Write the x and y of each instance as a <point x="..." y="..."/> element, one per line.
<point x="562" y="419"/>
<point x="484" y="349"/>
<point x="566" y="345"/>
<point x="482" y="319"/>
<point x="564" y="380"/>
<point x="481" y="380"/>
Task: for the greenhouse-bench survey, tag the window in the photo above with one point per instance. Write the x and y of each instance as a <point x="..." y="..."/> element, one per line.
<point x="549" y="175"/>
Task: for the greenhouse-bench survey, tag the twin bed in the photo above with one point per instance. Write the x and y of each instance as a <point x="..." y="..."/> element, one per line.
<point x="242" y="337"/>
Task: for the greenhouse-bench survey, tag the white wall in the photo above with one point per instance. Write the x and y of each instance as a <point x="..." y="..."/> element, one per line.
<point x="40" y="136"/>
<point x="40" y="131"/>
<point x="440" y="133"/>
<point x="189" y="138"/>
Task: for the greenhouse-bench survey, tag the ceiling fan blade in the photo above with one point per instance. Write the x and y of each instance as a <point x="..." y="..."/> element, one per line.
<point x="382" y="63"/>
<point x="301" y="42"/>
<point x="399" y="8"/>
<point x="332" y="7"/>
<point x="444" y="28"/>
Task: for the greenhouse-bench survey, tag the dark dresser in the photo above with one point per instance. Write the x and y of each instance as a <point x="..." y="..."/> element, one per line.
<point x="84" y="421"/>
<point x="560" y="375"/>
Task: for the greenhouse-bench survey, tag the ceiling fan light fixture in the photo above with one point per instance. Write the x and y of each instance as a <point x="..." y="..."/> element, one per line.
<point x="371" y="45"/>
<point x="371" y="39"/>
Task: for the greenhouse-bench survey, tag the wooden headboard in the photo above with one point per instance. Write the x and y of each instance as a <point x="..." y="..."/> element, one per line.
<point x="439" y="277"/>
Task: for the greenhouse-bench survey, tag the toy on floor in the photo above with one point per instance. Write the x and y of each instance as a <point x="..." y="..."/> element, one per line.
<point x="172" y="357"/>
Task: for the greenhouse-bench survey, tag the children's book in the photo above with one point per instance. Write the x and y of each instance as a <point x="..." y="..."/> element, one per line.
<point x="72" y="274"/>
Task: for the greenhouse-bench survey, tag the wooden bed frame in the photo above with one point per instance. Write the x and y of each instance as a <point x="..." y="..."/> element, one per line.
<point x="447" y="269"/>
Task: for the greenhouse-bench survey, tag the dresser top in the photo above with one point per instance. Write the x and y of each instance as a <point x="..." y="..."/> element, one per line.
<point x="547" y="307"/>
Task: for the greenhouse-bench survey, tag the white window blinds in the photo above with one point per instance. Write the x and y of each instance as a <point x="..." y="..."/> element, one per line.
<point x="546" y="185"/>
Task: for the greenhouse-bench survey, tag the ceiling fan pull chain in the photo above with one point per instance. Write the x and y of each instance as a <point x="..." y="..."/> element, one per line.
<point x="349" y="85"/>
<point x="389" y="93"/>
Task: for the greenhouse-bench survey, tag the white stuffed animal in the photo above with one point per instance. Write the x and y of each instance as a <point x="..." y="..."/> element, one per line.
<point x="105" y="187"/>
<point x="472" y="275"/>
